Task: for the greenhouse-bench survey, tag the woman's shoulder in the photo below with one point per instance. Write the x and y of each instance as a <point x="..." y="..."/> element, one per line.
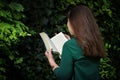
<point x="71" y="41"/>
<point x="74" y="48"/>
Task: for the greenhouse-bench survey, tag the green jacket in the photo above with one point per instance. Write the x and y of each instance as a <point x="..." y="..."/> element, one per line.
<point x="74" y="65"/>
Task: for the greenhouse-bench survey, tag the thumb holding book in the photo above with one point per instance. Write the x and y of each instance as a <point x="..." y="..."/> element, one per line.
<point x="67" y="36"/>
<point x="48" y="54"/>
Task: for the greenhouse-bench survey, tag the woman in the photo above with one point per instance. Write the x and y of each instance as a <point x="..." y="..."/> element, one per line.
<point x="81" y="55"/>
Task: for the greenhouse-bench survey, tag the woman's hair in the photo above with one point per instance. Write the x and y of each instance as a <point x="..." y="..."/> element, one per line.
<point x="86" y="31"/>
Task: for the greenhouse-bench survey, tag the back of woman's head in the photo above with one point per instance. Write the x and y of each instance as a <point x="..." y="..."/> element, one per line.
<point x="86" y="31"/>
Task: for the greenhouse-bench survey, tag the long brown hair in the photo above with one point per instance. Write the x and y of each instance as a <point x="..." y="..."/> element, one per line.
<point x="86" y="31"/>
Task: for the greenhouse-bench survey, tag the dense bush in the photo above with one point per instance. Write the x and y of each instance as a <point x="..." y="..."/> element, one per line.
<point x="11" y="28"/>
<point x="23" y="57"/>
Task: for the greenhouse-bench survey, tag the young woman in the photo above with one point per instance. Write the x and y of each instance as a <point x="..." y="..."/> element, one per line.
<point x="81" y="54"/>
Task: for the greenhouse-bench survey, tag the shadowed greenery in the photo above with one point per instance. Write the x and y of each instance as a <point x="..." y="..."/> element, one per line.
<point x="22" y="50"/>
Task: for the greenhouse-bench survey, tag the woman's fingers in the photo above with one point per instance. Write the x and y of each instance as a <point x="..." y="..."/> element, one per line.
<point x="67" y="36"/>
<point x="48" y="54"/>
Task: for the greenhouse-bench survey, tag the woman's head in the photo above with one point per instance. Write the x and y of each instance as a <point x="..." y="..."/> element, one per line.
<point x="70" y="27"/>
<point x="82" y="25"/>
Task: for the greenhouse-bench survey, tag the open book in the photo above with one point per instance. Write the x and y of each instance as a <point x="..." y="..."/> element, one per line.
<point x="55" y="43"/>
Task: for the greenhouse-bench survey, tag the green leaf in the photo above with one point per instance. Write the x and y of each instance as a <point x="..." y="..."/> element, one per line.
<point x="16" y="6"/>
<point x="2" y="69"/>
<point x="3" y="13"/>
<point x="11" y="57"/>
<point x="18" y="60"/>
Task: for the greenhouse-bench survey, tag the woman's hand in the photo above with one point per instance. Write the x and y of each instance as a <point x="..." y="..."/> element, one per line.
<point x="67" y="36"/>
<point x="51" y="60"/>
<point x="48" y="54"/>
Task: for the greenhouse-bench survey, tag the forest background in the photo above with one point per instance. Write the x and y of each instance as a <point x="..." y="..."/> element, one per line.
<point x="21" y="48"/>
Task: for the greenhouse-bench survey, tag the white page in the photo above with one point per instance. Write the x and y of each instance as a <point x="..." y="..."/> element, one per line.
<point x="47" y="41"/>
<point x="59" y="41"/>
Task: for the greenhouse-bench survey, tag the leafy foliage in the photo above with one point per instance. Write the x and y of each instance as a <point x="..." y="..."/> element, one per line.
<point x="35" y="65"/>
<point x="11" y="28"/>
<point x="106" y="70"/>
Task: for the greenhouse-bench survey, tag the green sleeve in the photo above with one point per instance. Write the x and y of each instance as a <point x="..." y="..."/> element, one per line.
<point x="64" y="72"/>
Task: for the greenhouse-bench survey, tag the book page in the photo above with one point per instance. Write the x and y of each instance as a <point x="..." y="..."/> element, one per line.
<point x="47" y="41"/>
<point x="59" y="41"/>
